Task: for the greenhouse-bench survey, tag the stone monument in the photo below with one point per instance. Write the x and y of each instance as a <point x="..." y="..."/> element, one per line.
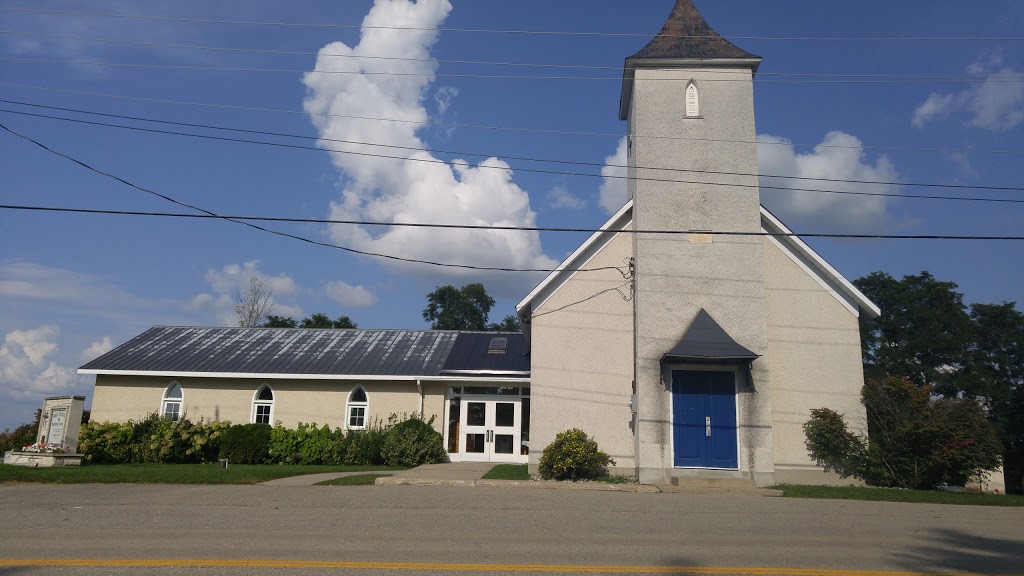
<point x="56" y="441"/>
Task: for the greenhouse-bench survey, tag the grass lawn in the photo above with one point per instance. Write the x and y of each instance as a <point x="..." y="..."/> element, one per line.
<point x="892" y="495"/>
<point x="164" y="473"/>
<point x="508" y="472"/>
<point x="359" y="480"/>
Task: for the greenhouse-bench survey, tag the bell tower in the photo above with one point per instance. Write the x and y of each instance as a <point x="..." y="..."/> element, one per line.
<point x="689" y="103"/>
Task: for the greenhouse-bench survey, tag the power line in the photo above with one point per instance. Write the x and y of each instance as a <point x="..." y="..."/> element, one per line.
<point x="527" y="170"/>
<point x="508" y="157"/>
<point x="588" y="299"/>
<point x="511" y="129"/>
<point x="285" y="234"/>
<point x="525" y="32"/>
<point x="482" y="62"/>
<point x="97" y="211"/>
<point x="903" y="80"/>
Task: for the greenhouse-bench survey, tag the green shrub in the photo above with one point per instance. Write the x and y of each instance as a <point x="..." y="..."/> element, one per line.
<point x="573" y="456"/>
<point x="413" y="443"/>
<point x="152" y="440"/>
<point x="314" y="444"/>
<point x="246" y="443"/>
<point x="913" y="441"/>
<point x="365" y="446"/>
<point x="19" y="437"/>
<point x="284" y="445"/>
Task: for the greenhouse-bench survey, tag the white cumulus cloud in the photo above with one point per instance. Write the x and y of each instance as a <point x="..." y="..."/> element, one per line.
<point x="349" y="295"/>
<point x="560" y="197"/>
<point x="614" y="193"/>
<point x="97" y="349"/>
<point x="228" y="281"/>
<point x="425" y="189"/>
<point x="840" y="156"/>
<point x="996" y="103"/>
<point x="27" y="367"/>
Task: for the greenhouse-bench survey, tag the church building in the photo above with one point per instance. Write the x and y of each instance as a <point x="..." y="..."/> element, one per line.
<point x="701" y="358"/>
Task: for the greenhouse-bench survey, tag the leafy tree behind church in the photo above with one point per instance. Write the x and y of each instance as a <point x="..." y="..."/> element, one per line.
<point x="322" y="321"/>
<point x="928" y="335"/>
<point x="466" y="308"/>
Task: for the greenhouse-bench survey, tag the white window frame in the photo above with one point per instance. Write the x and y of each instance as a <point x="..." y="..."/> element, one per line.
<point x="256" y="402"/>
<point x="165" y="401"/>
<point x="350" y="404"/>
<point x="696" y="100"/>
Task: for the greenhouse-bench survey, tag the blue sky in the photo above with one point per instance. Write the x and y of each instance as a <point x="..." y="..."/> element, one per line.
<point x="72" y="286"/>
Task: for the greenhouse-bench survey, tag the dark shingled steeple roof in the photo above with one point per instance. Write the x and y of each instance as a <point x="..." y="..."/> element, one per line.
<point x="686" y="36"/>
<point x="685" y="39"/>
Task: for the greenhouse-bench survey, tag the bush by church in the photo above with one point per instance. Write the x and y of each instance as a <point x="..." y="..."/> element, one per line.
<point x="155" y="440"/>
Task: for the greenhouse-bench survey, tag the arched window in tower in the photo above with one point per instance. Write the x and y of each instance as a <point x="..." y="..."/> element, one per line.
<point x="692" y="101"/>
<point x="358" y="405"/>
<point x="170" y="407"/>
<point x="263" y="405"/>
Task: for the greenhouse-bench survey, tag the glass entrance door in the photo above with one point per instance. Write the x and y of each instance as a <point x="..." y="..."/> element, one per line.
<point x="490" y="429"/>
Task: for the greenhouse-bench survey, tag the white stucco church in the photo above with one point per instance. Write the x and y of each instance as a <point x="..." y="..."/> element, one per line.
<point x="704" y="360"/>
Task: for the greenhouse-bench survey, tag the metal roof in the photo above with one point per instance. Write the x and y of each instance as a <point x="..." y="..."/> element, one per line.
<point x="705" y="340"/>
<point x="472" y="355"/>
<point x="280" y="351"/>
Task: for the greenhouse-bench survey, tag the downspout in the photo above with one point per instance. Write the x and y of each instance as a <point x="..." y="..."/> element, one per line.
<point x="419" y="388"/>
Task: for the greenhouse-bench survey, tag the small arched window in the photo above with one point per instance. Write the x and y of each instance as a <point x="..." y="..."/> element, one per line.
<point x="358" y="406"/>
<point x="170" y="406"/>
<point x="692" y="101"/>
<point x="263" y="405"/>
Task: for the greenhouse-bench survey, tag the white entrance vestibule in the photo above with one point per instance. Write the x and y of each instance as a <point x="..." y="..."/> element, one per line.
<point x="488" y="424"/>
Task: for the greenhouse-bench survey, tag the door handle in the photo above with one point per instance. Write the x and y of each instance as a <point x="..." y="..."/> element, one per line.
<point x="707" y="426"/>
<point x="490" y="435"/>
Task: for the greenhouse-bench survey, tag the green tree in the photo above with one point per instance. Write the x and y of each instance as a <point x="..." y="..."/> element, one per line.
<point x="924" y="332"/>
<point x="509" y="324"/>
<point x="321" y="321"/>
<point x="280" y="322"/>
<point x="914" y="440"/>
<point x="324" y="321"/>
<point x="994" y="375"/>
<point x="451" y="308"/>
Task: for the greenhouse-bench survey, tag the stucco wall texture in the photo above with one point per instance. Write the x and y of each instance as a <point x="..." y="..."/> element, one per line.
<point x="676" y="278"/>
<point x="815" y="359"/>
<point x="582" y="360"/>
<point x="122" y="398"/>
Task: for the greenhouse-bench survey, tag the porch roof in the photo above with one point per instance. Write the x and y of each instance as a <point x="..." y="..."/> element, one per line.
<point x="706" y="341"/>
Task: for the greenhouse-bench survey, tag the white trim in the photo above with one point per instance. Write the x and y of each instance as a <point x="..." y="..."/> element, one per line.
<point x="863" y="302"/>
<point x="180" y="401"/>
<point x="344" y="377"/>
<point x="349" y="405"/>
<point x="257" y="402"/>
<point x="607" y="232"/>
<point x="796" y="260"/>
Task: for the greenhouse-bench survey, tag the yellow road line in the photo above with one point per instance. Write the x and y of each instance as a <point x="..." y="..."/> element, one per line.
<point x="432" y="566"/>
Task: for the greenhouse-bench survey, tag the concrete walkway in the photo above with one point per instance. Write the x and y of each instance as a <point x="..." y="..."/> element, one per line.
<point x="448" y="474"/>
<point x="311" y="479"/>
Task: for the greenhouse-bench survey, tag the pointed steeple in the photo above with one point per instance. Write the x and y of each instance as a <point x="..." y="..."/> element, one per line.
<point x="686" y="40"/>
<point x="687" y="36"/>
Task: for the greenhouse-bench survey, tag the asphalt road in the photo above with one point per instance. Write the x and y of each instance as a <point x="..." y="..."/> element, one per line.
<point x="438" y="530"/>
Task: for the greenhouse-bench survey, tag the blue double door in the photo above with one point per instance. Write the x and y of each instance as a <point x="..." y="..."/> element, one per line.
<point x="704" y="419"/>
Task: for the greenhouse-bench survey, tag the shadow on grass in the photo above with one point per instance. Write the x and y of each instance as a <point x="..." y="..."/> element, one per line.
<point x="946" y="550"/>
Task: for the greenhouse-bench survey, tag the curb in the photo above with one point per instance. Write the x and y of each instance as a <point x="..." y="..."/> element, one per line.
<point x="586" y="486"/>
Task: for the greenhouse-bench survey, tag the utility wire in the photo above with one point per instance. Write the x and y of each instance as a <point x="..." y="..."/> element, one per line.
<point x="587" y="299"/>
<point x="527" y="170"/>
<point x="97" y="211"/>
<point x="508" y="157"/>
<point x="526" y="32"/>
<point x="634" y="79"/>
<point x="510" y="129"/>
<point x="285" y="234"/>
<point x="482" y="62"/>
